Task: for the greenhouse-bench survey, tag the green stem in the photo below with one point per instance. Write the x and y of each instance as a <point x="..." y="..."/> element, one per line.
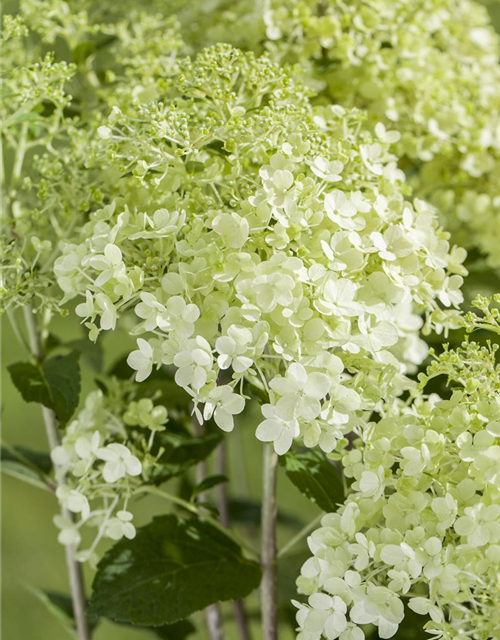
<point x="269" y="584"/>
<point x="74" y="568"/>
<point x="301" y="534"/>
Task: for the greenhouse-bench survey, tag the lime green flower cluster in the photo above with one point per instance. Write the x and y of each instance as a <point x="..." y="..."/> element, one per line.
<point x="421" y="525"/>
<point x="50" y="109"/>
<point x="428" y="68"/>
<point x="256" y="234"/>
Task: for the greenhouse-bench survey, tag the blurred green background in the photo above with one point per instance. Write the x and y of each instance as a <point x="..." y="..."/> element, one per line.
<point x="31" y="554"/>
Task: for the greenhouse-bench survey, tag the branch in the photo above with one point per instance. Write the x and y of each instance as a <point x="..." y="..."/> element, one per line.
<point x="269" y="586"/>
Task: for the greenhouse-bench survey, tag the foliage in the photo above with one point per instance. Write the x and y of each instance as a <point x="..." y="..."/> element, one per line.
<point x="173" y="568"/>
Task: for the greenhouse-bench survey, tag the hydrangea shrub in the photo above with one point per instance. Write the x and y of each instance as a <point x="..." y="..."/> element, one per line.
<point x="241" y="204"/>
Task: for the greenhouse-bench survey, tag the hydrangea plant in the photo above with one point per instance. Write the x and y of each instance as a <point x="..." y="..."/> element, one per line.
<point x="252" y="236"/>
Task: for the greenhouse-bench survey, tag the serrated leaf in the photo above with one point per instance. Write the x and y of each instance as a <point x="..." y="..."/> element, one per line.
<point x="208" y="483"/>
<point x="55" y="383"/>
<point x="315" y="477"/>
<point x="172" y="568"/>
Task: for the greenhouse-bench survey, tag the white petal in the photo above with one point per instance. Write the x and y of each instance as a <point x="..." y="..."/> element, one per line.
<point x="318" y="385"/>
<point x="298" y="374"/>
<point x="133" y="466"/>
<point x="269" y="430"/>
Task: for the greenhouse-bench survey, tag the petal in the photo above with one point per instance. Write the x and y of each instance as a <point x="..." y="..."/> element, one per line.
<point x="133" y="466"/>
<point x="223" y="419"/>
<point x="318" y="385"/>
<point x="113" y="471"/>
<point x="309" y="408"/>
<point x="234" y="404"/>
<point x="283" y="386"/>
<point x="283" y="443"/>
<point x="269" y="430"/>
<point x="298" y="374"/>
<point x="113" y="254"/>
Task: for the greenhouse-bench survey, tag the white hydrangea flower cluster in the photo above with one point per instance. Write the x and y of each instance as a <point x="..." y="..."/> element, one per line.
<point x="258" y="235"/>
<point x="99" y="465"/>
<point x="429" y="68"/>
<point x="421" y="525"/>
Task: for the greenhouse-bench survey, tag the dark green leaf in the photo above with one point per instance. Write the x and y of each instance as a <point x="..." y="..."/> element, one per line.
<point x="315" y="477"/>
<point x="176" y="631"/>
<point x="55" y="383"/>
<point x="82" y="51"/>
<point x="181" y="451"/>
<point x="91" y="352"/>
<point x="207" y="484"/>
<point x="172" y="568"/>
<point x="38" y="459"/>
<point x="247" y="511"/>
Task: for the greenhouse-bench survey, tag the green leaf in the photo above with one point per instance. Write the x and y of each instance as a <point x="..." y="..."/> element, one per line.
<point x="61" y="607"/>
<point x="172" y="568"/>
<point x="55" y="383"/>
<point x="38" y="459"/>
<point x="315" y="477"/>
<point x="207" y="484"/>
<point x="176" y="631"/>
<point x="26" y="465"/>
<point x="91" y="352"/>
<point x="181" y="451"/>
<point x="82" y="51"/>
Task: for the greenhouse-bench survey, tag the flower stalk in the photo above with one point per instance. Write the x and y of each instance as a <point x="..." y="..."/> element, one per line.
<point x="213" y="615"/>
<point x="269" y="585"/>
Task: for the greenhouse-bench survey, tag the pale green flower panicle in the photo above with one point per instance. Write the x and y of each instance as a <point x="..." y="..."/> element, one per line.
<point x="260" y="241"/>
<point x="421" y="525"/>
